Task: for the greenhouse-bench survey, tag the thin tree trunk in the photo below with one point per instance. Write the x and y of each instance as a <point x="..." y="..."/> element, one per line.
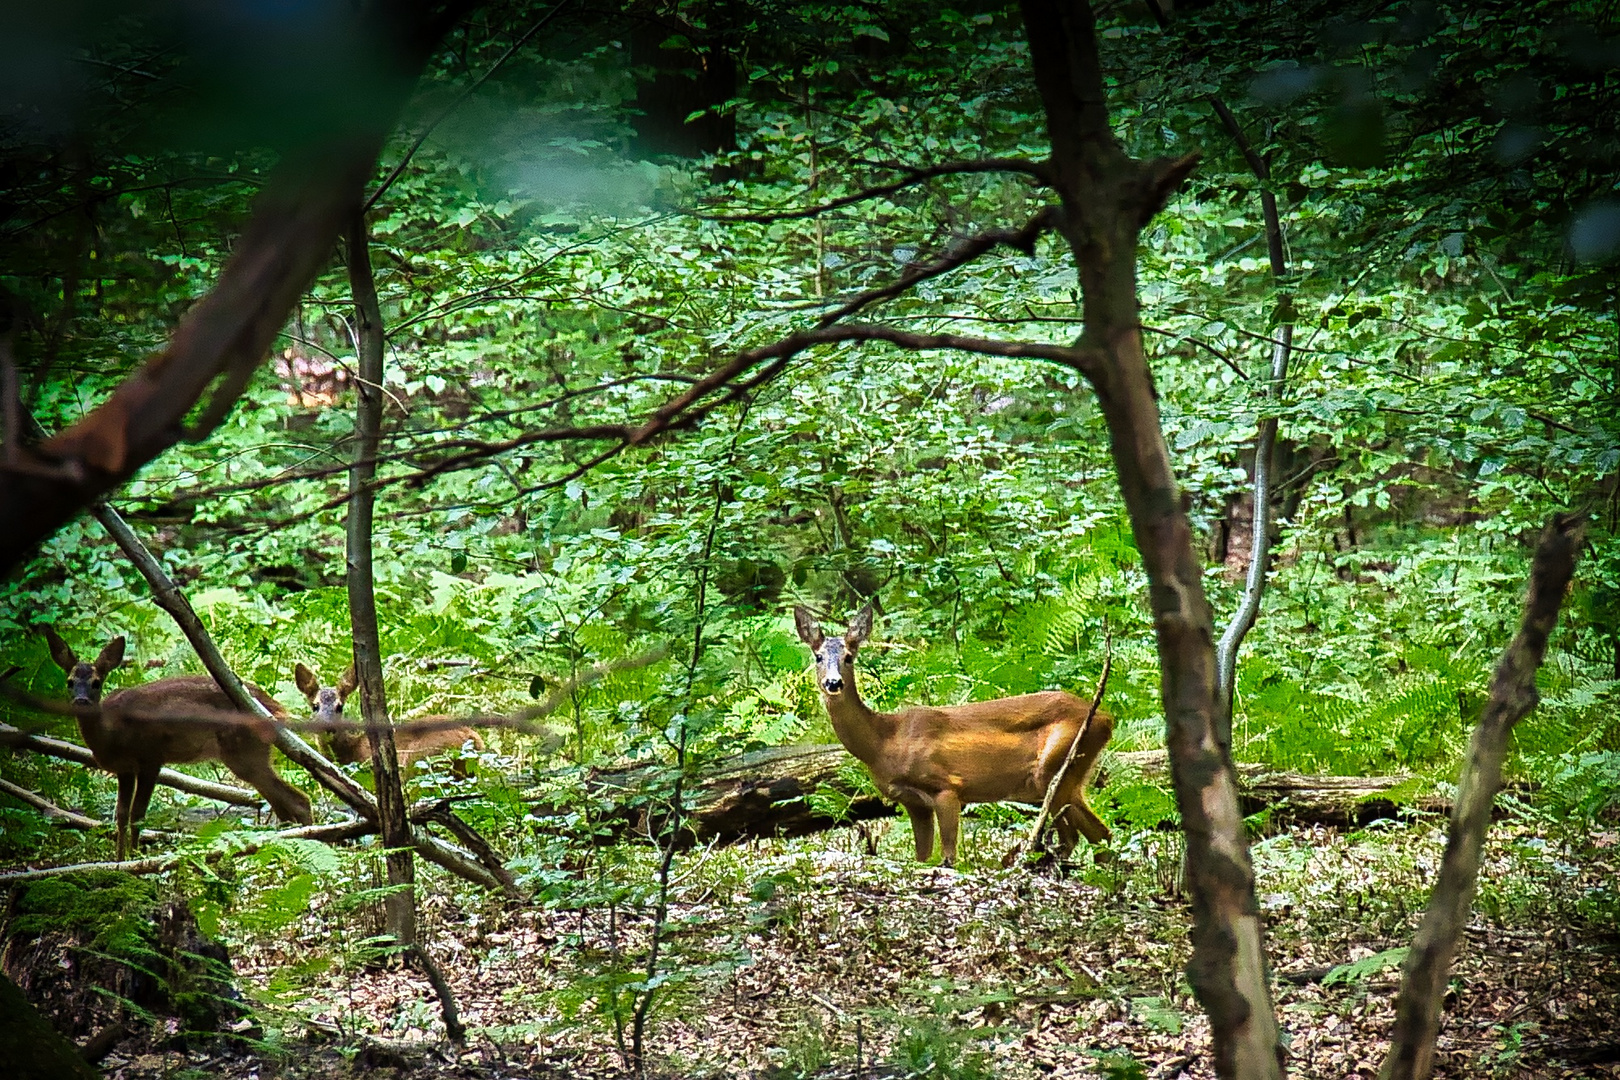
<point x="1266" y="440"/>
<point x="1107" y="198"/>
<point x="400" y="903"/>
<point x="1513" y="695"/>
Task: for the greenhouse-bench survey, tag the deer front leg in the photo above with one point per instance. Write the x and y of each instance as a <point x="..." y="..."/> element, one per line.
<point x="126" y="796"/>
<point x="949" y="808"/>
<point x="145" y="784"/>
<point x="922" y="828"/>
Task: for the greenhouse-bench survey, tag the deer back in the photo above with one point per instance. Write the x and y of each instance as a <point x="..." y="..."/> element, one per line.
<point x="989" y="751"/>
<point x="410" y="744"/>
<point x="170" y="721"/>
<point x="415" y="745"/>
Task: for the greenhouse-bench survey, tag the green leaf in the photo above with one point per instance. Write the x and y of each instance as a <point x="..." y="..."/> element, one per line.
<point x="1360" y="970"/>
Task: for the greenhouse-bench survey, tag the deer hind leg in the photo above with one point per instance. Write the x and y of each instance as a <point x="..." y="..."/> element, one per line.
<point x="948" y="805"/>
<point x="922" y="828"/>
<point x="1077" y="818"/>
<point x="249" y="759"/>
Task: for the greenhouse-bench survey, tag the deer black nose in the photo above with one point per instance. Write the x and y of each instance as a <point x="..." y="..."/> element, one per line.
<point x="833" y="685"/>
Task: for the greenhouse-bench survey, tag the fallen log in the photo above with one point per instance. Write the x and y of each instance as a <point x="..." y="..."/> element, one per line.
<point x="768" y="793"/>
<point x="49" y="809"/>
<point x="1306" y="798"/>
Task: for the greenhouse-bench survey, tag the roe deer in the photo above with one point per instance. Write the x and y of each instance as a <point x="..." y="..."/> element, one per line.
<point x="130" y="738"/>
<point x="349" y="747"/>
<point x="932" y="761"/>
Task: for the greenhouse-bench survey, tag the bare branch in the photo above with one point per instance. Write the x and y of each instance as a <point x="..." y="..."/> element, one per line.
<point x="49" y="809"/>
<point x="914" y="176"/>
<point x="962" y="252"/>
<point x="67" y="751"/>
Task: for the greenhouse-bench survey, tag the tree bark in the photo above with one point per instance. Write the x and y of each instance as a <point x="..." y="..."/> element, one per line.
<point x="228" y="333"/>
<point x="1513" y="695"/>
<point x="399" y="905"/>
<point x="1107" y="197"/>
<point x="31" y="1048"/>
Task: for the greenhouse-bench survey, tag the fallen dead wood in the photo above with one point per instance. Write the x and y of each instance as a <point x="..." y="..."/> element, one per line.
<point x="767" y="793"/>
<point x="755" y="795"/>
<point x="1341" y="801"/>
<point x="48" y="808"/>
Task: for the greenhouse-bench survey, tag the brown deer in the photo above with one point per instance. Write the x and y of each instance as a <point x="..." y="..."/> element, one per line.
<point x="130" y="737"/>
<point x="349" y="747"/>
<point x="933" y="761"/>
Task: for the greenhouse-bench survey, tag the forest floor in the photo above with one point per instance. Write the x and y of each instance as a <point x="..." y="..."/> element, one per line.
<point x="807" y="957"/>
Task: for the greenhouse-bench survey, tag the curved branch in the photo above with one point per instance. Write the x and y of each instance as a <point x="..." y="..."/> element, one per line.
<point x="913" y="176"/>
<point x="1265" y="441"/>
<point x="963" y="251"/>
<point x="227" y="335"/>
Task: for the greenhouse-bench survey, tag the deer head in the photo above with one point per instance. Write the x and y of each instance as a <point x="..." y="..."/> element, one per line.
<point x="835" y="656"/>
<point x="84" y="680"/>
<point x="325" y="701"/>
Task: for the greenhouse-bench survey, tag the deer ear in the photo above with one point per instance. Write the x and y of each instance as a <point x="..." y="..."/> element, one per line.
<point x="346" y="685"/>
<point x="111" y="656"/>
<point x="809" y="630"/>
<point x="64" y="657"/>
<point x="305" y="680"/>
<point x="860" y="628"/>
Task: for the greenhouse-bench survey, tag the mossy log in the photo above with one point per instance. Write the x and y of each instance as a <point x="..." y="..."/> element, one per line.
<point x="766" y="793"/>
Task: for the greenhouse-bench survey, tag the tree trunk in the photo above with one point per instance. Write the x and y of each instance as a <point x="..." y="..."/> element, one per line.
<point x="1107" y="197"/>
<point x="400" y="903"/>
<point x="1226" y="652"/>
<point x="31" y="1048"/>
<point x="1513" y="695"/>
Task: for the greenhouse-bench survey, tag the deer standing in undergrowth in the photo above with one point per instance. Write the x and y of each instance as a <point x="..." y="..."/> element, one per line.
<point x="136" y="731"/>
<point x="352" y="746"/>
<point x="933" y="761"/>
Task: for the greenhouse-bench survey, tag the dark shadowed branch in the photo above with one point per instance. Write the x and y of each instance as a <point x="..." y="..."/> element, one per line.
<point x="913" y="177"/>
<point x="227" y="334"/>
